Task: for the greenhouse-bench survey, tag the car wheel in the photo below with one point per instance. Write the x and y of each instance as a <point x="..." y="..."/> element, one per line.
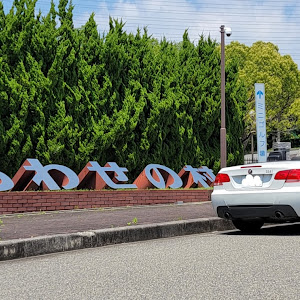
<point x="248" y="226"/>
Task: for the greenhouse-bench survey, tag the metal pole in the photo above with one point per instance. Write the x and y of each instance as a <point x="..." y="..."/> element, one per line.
<point x="252" y="148"/>
<point x="223" y="126"/>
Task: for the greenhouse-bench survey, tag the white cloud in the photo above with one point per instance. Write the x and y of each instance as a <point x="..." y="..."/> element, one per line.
<point x="276" y="21"/>
<point x="270" y="20"/>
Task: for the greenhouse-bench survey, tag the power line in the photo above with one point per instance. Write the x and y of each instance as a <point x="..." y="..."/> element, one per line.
<point x="204" y="26"/>
<point x="250" y="15"/>
<point x="185" y="4"/>
<point x="168" y="2"/>
<point x="176" y="21"/>
<point x="249" y="23"/>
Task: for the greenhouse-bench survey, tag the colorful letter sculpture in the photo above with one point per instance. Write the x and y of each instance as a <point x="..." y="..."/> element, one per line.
<point x="152" y="177"/>
<point x="34" y="176"/>
<point x="93" y="176"/>
<point x="196" y="177"/>
<point x="5" y="182"/>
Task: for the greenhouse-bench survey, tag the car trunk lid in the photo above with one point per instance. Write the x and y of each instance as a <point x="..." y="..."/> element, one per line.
<point x="254" y="177"/>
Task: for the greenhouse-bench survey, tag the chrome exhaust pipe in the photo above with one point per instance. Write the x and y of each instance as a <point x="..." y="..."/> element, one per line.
<point x="279" y="215"/>
<point x="227" y="215"/>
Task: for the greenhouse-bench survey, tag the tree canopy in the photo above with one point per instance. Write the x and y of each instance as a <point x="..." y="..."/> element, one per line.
<point x="263" y="63"/>
<point x="70" y="95"/>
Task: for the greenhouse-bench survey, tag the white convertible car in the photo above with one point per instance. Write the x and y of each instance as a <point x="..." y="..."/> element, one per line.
<point x="251" y="195"/>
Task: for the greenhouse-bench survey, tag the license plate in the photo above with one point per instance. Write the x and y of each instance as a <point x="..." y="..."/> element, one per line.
<point x="252" y="181"/>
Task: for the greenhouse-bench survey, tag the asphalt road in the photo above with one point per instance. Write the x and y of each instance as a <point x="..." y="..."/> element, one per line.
<point x="207" y="266"/>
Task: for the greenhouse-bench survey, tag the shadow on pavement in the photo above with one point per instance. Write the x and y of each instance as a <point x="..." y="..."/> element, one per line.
<point x="278" y="229"/>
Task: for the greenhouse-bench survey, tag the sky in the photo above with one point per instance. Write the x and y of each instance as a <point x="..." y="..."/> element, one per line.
<point x="273" y="21"/>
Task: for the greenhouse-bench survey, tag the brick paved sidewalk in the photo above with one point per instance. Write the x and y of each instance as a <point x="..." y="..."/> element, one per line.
<point x="28" y="225"/>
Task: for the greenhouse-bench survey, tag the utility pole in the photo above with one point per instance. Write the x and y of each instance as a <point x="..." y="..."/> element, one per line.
<point x="223" y="146"/>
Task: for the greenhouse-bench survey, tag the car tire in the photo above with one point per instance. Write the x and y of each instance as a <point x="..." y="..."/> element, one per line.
<point x="248" y="226"/>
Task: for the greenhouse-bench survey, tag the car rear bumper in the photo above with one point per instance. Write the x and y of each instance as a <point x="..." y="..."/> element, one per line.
<point x="272" y="212"/>
<point x="258" y="203"/>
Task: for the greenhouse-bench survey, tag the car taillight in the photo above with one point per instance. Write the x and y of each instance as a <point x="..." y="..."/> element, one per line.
<point x="221" y="178"/>
<point x="294" y="176"/>
<point x="282" y="175"/>
<point x="288" y="175"/>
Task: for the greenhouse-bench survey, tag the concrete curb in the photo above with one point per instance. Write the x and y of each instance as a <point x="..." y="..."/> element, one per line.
<point x="13" y="249"/>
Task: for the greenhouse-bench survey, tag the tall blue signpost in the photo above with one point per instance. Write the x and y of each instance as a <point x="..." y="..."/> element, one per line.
<point x="261" y="132"/>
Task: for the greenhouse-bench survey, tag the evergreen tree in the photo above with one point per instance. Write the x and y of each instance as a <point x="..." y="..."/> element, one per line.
<point x="69" y="95"/>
